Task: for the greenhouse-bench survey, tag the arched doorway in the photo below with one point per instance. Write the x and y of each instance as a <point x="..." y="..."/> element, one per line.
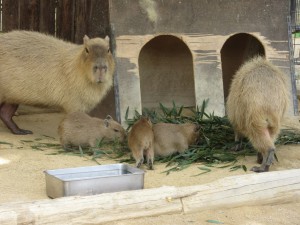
<point x="235" y="51"/>
<point x="166" y="73"/>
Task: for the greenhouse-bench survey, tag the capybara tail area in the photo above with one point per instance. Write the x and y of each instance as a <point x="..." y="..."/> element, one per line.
<point x="262" y="133"/>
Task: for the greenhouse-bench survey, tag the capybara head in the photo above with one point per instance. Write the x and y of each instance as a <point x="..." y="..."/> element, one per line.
<point x="114" y="130"/>
<point x="98" y="59"/>
<point x="192" y="133"/>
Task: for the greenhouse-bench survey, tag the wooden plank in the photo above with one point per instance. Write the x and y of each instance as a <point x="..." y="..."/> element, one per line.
<point x="29" y="15"/>
<point x="99" y="18"/>
<point x="10" y="15"/>
<point x="47" y="16"/>
<point x="249" y="189"/>
<point x="65" y="19"/>
<point x="82" y="12"/>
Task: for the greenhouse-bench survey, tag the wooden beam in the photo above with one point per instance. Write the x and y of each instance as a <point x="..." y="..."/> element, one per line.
<point x="249" y="189"/>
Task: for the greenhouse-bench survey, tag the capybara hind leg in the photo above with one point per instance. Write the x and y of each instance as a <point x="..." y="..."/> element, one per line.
<point x="260" y="158"/>
<point x="150" y="158"/>
<point x="263" y="142"/>
<point x="7" y="111"/>
<point x="266" y="163"/>
<point x="139" y="158"/>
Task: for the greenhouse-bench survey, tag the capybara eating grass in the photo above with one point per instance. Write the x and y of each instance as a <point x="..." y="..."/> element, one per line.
<point x="140" y="142"/>
<point x="38" y="69"/>
<point x="171" y="138"/>
<point x="256" y="104"/>
<point x="79" y="129"/>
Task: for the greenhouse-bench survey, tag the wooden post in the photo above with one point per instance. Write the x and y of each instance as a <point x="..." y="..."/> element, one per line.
<point x="249" y="189"/>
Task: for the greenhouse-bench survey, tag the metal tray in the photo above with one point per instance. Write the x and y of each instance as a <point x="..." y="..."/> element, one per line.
<point x="93" y="180"/>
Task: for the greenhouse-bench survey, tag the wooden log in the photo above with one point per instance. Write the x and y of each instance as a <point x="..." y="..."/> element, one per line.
<point x="249" y="189"/>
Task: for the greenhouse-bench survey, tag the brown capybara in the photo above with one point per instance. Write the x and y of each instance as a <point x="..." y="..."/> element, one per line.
<point x="38" y="69"/>
<point x="79" y="129"/>
<point x="140" y="142"/>
<point x="257" y="101"/>
<point x="171" y="138"/>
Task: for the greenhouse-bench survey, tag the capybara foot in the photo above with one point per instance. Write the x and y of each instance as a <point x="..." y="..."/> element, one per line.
<point x="260" y="169"/>
<point x="21" y="132"/>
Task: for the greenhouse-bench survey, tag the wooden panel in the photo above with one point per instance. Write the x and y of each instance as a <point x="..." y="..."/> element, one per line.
<point x="10" y="15"/>
<point x="47" y="16"/>
<point x="65" y="19"/>
<point x="83" y="10"/>
<point x="29" y="14"/>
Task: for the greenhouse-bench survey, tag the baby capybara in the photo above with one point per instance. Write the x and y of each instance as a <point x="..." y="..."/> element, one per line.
<point x="79" y="129"/>
<point x="171" y="138"/>
<point x="257" y="101"/>
<point x="140" y="142"/>
<point x="38" y="69"/>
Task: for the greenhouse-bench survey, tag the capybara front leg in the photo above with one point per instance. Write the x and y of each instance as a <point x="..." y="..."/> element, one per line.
<point x="267" y="161"/>
<point x="238" y="142"/>
<point x="7" y="111"/>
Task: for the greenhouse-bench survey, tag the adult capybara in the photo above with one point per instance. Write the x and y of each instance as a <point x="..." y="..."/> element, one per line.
<point x="79" y="129"/>
<point x="140" y="142"/>
<point x="171" y="138"/>
<point x="38" y="69"/>
<point x="257" y="101"/>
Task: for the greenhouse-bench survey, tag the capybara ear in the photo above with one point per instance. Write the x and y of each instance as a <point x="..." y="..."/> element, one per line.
<point x="85" y="43"/>
<point x="106" y="38"/>
<point x="106" y="123"/>
<point x="108" y="117"/>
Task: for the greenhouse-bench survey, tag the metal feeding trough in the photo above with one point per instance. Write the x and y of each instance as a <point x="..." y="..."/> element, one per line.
<point x="93" y="180"/>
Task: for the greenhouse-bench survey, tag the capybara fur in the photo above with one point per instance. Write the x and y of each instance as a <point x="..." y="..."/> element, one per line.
<point x="140" y="142"/>
<point x="79" y="129"/>
<point x="38" y="69"/>
<point x="257" y="101"/>
<point x="171" y="138"/>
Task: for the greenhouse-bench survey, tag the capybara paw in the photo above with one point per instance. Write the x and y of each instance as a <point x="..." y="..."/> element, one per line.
<point x="22" y="132"/>
<point x="259" y="169"/>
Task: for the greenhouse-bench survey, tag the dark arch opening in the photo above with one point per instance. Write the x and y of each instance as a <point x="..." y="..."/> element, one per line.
<point x="235" y="51"/>
<point x="166" y="73"/>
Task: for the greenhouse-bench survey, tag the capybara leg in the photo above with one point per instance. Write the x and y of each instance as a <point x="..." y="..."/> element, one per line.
<point x="238" y="142"/>
<point x="150" y="158"/>
<point x="7" y="111"/>
<point x="260" y="157"/>
<point x="266" y="163"/>
<point x="139" y="162"/>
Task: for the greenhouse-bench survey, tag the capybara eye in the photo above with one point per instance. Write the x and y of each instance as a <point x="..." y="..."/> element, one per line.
<point x="95" y="68"/>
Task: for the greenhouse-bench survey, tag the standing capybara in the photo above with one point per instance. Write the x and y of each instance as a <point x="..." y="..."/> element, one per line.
<point x="256" y="103"/>
<point x="37" y="69"/>
<point x="79" y="129"/>
<point x="140" y="142"/>
<point x="171" y="138"/>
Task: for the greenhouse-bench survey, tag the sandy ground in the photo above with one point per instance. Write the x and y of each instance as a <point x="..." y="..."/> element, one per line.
<point x="22" y="177"/>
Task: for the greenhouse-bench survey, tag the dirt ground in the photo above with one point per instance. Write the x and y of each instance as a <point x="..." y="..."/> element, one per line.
<point x="22" y="177"/>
